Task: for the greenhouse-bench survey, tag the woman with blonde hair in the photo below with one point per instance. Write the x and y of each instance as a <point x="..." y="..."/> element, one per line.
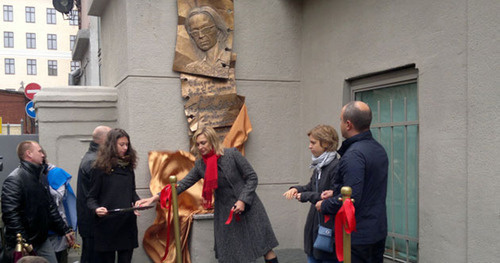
<point x="323" y="142"/>
<point x="230" y="178"/>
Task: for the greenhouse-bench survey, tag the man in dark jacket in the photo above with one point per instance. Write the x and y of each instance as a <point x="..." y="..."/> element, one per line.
<point x="363" y="166"/>
<point x="85" y="215"/>
<point x="28" y="208"/>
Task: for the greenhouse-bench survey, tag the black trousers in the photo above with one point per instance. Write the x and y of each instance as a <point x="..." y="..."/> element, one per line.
<point x="371" y="253"/>
<point x="124" y="256"/>
<point x="88" y="253"/>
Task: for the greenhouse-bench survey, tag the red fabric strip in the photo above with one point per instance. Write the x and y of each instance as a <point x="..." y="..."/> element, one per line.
<point x="344" y="219"/>
<point x="166" y="194"/>
<point x="230" y="217"/>
<point x="327" y="218"/>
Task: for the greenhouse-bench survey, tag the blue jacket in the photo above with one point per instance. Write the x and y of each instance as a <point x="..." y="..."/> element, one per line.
<point x="363" y="166"/>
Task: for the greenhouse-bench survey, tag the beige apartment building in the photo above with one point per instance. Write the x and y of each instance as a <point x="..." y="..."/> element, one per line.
<point x="36" y="44"/>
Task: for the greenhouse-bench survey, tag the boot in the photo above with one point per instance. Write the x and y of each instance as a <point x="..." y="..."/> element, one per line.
<point x="273" y="260"/>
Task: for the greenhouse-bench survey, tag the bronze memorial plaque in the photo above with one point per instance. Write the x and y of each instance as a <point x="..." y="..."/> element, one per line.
<point x="204" y="38"/>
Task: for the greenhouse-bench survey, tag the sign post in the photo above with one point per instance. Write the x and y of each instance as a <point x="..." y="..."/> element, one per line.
<point x="31" y="89"/>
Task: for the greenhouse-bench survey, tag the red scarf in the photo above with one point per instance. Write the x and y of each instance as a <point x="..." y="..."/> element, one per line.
<point x="210" y="183"/>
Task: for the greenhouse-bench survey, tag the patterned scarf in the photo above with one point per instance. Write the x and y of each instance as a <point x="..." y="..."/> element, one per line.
<point x="210" y="183"/>
<point x="324" y="159"/>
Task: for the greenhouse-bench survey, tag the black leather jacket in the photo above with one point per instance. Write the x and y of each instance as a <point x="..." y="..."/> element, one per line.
<point x="84" y="183"/>
<point x="28" y="208"/>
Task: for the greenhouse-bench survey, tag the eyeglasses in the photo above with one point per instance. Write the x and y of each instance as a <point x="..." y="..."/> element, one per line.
<point x="204" y="31"/>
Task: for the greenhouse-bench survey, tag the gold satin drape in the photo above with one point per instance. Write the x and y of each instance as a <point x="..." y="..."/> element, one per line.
<point x="163" y="164"/>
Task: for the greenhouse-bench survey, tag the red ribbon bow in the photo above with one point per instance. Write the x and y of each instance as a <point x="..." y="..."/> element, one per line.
<point x="166" y="195"/>
<point x="344" y="219"/>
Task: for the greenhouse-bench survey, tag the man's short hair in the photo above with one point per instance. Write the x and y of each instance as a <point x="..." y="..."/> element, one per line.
<point x="22" y="147"/>
<point x="32" y="259"/>
<point x="360" y="119"/>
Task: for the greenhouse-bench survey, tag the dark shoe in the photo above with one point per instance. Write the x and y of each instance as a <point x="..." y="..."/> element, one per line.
<point x="274" y="260"/>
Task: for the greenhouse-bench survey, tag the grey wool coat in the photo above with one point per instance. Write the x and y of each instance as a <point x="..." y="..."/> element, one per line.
<point x="252" y="236"/>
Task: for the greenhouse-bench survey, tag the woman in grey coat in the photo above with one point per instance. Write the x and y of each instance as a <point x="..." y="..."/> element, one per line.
<point x="231" y="179"/>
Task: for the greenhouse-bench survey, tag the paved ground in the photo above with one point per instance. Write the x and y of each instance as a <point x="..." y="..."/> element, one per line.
<point x="289" y="256"/>
<point x="284" y="256"/>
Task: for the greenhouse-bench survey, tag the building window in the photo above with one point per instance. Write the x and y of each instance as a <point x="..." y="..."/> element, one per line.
<point x="30" y="14"/>
<point x="8" y="13"/>
<point x="30" y="40"/>
<point x="394" y="102"/>
<point x="31" y="66"/>
<point x="51" y="16"/>
<point x="74" y="18"/>
<point x="72" y="40"/>
<point x="8" y="39"/>
<point x="52" y="41"/>
<point x="10" y="66"/>
<point x="75" y="65"/>
<point x="52" y="67"/>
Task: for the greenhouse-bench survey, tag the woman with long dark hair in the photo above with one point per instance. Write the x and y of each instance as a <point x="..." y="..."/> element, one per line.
<point x="114" y="187"/>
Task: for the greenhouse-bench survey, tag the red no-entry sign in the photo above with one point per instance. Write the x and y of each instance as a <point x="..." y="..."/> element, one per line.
<point x="31" y="89"/>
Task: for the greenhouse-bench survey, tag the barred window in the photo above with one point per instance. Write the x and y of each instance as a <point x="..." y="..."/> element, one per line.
<point x="393" y="99"/>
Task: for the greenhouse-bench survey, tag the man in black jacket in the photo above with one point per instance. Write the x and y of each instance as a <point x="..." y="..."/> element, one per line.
<point x="363" y="166"/>
<point x="85" y="215"/>
<point x="28" y="208"/>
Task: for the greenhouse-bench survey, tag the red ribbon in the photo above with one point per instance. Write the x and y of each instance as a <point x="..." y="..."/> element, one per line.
<point x="344" y="219"/>
<point x="166" y="195"/>
<point x="230" y="218"/>
<point x="327" y="218"/>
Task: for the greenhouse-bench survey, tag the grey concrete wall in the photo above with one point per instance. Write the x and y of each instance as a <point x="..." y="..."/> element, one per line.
<point x="483" y="94"/>
<point x="455" y="48"/>
<point x="293" y="59"/>
<point x="67" y="117"/>
<point x="137" y="60"/>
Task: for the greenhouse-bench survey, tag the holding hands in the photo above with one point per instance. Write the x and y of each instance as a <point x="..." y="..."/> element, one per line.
<point x="291" y="194"/>
<point x="101" y="211"/>
<point x="239" y="207"/>
<point x="326" y="194"/>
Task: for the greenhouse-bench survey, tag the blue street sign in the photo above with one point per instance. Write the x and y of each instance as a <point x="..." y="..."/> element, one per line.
<point x="30" y="109"/>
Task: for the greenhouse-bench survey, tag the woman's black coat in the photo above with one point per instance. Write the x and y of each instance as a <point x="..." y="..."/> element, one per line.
<point x="309" y="193"/>
<point x="115" y="231"/>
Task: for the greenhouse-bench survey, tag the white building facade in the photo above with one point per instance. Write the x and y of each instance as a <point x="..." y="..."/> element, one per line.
<point x="36" y="44"/>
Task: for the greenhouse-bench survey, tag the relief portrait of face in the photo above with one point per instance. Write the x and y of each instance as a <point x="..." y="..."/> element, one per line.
<point x="203" y="31"/>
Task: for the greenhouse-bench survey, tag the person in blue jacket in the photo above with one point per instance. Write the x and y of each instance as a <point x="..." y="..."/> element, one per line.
<point x="363" y="166"/>
<point x="65" y="200"/>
